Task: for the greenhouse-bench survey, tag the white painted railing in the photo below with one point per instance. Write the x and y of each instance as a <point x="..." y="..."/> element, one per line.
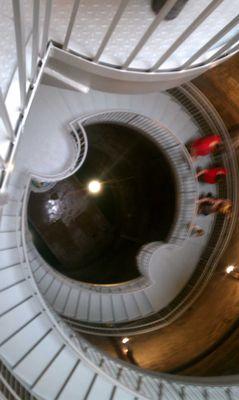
<point x="222" y="43"/>
<point x="209" y="121"/>
<point x="195" y="23"/>
<point x="80" y="149"/>
<point x="177" y="156"/>
<point x="139" y="383"/>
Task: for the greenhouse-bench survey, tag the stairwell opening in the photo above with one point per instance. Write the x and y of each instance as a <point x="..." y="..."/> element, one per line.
<point x="96" y="237"/>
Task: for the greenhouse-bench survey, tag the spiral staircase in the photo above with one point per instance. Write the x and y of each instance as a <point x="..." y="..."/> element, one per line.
<point x="64" y="63"/>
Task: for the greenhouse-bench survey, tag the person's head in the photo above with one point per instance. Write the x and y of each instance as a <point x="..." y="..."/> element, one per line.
<point x="225" y="207"/>
<point x="199" y="232"/>
<point x="218" y="148"/>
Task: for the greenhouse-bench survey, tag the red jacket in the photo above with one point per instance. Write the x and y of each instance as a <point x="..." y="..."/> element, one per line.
<point x="205" y="145"/>
<point x="210" y="175"/>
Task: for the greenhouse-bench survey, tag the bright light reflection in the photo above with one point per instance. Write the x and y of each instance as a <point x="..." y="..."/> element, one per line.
<point x="94" y="186"/>
<point x="230" y="268"/>
<point x="10" y="167"/>
<point x="125" y="340"/>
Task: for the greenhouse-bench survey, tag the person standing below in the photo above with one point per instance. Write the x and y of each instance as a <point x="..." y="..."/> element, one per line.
<point x="210" y="205"/>
<point x="205" y="145"/>
<point x="195" y="230"/>
<point x="212" y="175"/>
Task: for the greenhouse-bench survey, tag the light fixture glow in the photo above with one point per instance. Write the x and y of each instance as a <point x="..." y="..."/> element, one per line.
<point x="125" y="340"/>
<point x="94" y="186"/>
<point x="10" y="167"/>
<point x="230" y="268"/>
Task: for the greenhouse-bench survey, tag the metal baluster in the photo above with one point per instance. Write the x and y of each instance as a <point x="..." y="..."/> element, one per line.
<point x="111" y="28"/>
<point x="71" y="23"/>
<point x="67" y="298"/>
<point x="160" y="390"/>
<point x="20" y="47"/>
<point x="2" y="163"/>
<point x="234" y="48"/>
<point x="229" y="393"/>
<point x="67" y="379"/>
<point x="210" y="43"/>
<point x="57" y="292"/>
<point x="56" y="355"/>
<point x="77" y="304"/>
<point x="202" y="16"/>
<point x="35" y="37"/>
<point x="183" y="393"/>
<point x="224" y="48"/>
<point x="90" y="386"/>
<point x="5" y="118"/>
<point x="46" y="26"/>
<point x="112" y="308"/>
<point x="164" y="11"/>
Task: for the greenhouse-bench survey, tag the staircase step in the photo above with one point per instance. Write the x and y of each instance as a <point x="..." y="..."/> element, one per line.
<point x="9" y="223"/>
<point x="40" y="358"/>
<point x="56" y="375"/>
<point x="19" y="345"/>
<point x="9" y="257"/>
<point x="102" y="386"/>
<point x="17" y="318"/>
<point x="9" y="240"/>
<point x="78" y="384"/>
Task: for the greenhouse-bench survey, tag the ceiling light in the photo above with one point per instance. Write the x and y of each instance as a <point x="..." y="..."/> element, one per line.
<point x="94" y="186"/>
<point x="230" y="268"/>
<point x="125" y="340"/>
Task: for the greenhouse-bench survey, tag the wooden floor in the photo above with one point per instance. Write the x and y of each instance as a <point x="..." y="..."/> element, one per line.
<point x="221" y="86"/>
<point x="204" y="341"/>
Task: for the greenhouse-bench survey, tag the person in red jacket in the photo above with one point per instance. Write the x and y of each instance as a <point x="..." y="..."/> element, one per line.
<point x="212" y="175"/>
<point x="205" y="145"/>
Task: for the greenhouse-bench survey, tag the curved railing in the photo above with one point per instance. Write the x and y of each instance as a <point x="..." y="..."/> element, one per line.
<point x="11" y="388"/>
<point x="221" y="43"/>
<point x="179" y="159"/>
<point x="187" y="190"/>
<point x="209" y="121"/>
<point x="32" y="54"/>
<point x="140" y="383"/>
<point x="69" y="337"/>
<point x="81" y="147"/>
<point x="177" y="156"/>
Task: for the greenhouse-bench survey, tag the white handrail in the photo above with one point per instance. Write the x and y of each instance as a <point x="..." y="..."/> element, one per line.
<point x="21" y="49"/>
<point x="98" y="360"/>
<point x="5" y="118"/>
<point x="69" y="337"/>
<point x="46" y="27"/>
<point x="191" y="95"/>
<point x="35" y="38"/>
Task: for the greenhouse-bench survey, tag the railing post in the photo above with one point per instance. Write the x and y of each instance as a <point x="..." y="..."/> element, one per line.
<point x="163" y="12"/>
<point x="2" y="163"/>
<point x="35" y="37"/>
<point x="20" y="47"/>
<point x="211" y="42"/>
<point x="111" y="28"/>
<point x="71" y="23"/>
<point x="46" y="26"/>
<point x="189" y="30"/>
<point x="224" y="48"/>
<point x="5" y="118"/>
